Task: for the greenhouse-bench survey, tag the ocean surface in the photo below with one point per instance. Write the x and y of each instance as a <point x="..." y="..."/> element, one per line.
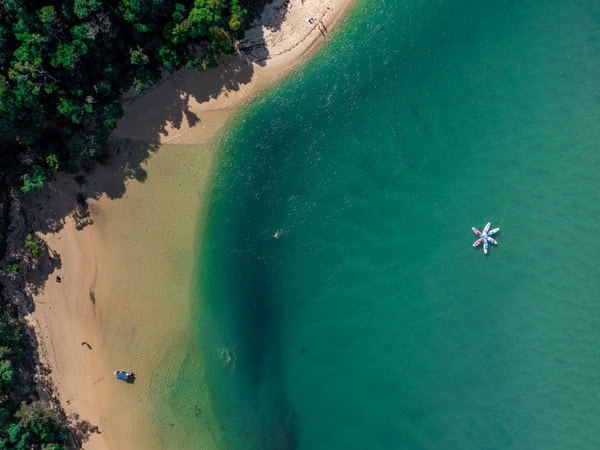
<point x="343" y="305"/>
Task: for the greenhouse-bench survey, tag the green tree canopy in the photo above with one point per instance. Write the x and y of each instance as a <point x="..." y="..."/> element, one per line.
<point x="64" y="66"/>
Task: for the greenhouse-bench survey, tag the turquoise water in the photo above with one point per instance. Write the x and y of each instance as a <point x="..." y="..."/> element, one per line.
<point x="371" y="322"/>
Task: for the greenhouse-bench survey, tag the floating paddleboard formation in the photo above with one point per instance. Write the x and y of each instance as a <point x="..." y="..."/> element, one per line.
<point x="485" y="236"/>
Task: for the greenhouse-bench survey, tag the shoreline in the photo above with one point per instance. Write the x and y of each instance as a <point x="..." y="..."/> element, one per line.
<point x="113" y="277"/>
<point x="209" y="97"/>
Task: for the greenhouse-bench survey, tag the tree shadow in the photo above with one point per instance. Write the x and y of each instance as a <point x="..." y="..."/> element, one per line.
<point x="81" y="430"/>
<point x="68" y="195"/>
<point x="163" y="107"/>
<point x="253" y="45"/>
<point x="39" y="272"/>
<point x="176" y="90"/>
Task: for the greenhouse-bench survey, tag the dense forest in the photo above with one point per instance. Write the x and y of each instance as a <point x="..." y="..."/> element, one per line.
<point x="64" y="65"/>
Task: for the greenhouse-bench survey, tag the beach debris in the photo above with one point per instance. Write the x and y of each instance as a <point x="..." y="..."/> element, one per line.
<point x="485" y="236"/>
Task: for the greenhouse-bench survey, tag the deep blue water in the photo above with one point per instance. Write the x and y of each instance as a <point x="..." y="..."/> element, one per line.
<point x="371" y="322"/>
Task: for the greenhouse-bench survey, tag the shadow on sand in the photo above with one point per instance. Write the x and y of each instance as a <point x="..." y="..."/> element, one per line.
<point x="80" y="430"/>
<point x="46" y="211"/>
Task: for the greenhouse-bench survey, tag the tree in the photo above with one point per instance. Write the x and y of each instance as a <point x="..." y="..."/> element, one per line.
<point x="34" y="245"/>
<point x="83" y="8"/>
<point x="52" y="161"/>
<point x="13" y="267"/>
<point x="65" y="65"/>
<point x="7" y="375"/>
<point x="35" y="180"/>
<point x="39" y="417"/>
<point x="238" y="16"/>
<point x="138" y="57"/>
<point x="9" y="334"/>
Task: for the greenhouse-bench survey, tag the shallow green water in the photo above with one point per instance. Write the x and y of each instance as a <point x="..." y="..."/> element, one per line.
<point x="371" y="322"/>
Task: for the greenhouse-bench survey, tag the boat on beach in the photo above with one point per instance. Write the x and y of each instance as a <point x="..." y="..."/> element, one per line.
<point x="124" y="375"/>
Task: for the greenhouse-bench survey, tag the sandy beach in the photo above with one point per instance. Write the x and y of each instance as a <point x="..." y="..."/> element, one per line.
<point x="119" y="302"/>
